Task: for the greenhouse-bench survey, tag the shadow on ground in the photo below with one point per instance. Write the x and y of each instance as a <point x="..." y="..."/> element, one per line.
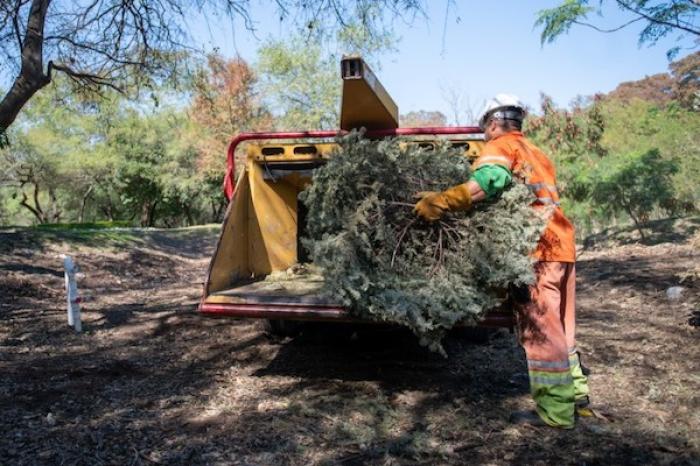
<point x="152" y="382"/>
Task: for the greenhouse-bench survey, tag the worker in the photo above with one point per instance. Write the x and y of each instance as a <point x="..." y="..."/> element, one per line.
<point x="546" y="324"/>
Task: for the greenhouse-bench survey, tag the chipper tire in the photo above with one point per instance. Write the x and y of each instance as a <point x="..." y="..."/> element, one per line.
<point x="283" y="328"/>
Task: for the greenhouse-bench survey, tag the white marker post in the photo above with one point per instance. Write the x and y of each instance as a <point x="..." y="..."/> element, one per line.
<point x="72" y="294"/>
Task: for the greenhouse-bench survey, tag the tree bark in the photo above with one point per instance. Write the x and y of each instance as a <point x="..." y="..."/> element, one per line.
<point x="36" y="208"/>
<point x="54" y="207"/>
<point x="31" y="76"/>
<point x="188" y="214"/>
<point x="86" y="196"/>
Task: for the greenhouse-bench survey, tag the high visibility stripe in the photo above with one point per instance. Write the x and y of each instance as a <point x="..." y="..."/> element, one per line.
<point x="547" y="200"/>
<point x="574" y="362"/>
<point x="573" y="358"/>
<point x="551" y="378"/>
<point x="534" y="364"/>
<point x="550" y="189"/>
<point x="537" y="186"/>
<point x="492" y="158"/>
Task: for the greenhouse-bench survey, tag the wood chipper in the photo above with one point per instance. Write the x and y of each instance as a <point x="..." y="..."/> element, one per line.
<point x="264" y="220"/>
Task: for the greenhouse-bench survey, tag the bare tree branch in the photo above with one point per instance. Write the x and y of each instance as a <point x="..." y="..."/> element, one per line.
<point x="31" y="77"/>
<point x="625" y="5"/>
<point x="607" y="31"/>
<point x="125" y="44"/>
<point x="86" y="79"/>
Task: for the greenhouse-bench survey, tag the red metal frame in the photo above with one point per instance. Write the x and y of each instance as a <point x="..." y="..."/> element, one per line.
<point x="498" y="318"/>
<point x="229" y="182"/>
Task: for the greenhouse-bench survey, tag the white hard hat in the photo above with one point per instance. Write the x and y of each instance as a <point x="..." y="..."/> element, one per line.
<point x="502" y="107"/>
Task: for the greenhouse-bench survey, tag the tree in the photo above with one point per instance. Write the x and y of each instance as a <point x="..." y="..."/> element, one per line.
<point x="423" y="118"/>
<point x="680" y="85"/>
<point x="660" y="18"/>
<point x="75" y="159"/>
<point x="302" y="84"/>
<point x="124" y="43"/>
<point x="635" y="183"/>
<point x="686" y="81"/>
<point x="300" y="75"/>
<point x="153" y="167"/>
<point x="224" y="103"/>
<point x="657" y="89"/>
<point x="47" y="165"/>
<point x="37" y="180"/>
<point x="464" y="111"/>
<point x="638" y="125"/>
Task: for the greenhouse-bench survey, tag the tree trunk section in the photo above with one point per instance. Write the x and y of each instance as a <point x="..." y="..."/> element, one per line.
<point x="31" y="76"/>
<point x="83" y="203"/>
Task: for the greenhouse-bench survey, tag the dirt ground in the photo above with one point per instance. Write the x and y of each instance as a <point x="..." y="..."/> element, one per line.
<point x="151" y="382"/>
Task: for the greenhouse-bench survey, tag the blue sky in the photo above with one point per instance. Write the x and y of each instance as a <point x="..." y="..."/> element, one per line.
<point x="488" y="48"/>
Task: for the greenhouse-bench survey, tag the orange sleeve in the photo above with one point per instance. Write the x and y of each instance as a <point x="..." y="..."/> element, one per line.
<point x="496" y="152"/>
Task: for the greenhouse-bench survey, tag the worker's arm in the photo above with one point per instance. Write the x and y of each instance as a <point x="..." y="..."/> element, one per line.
<point x="477" y="194"/>
<point x="487" y="182"/>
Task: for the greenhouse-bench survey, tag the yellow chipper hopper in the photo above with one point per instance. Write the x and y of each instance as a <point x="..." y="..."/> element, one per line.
<point x="264" y="220"/>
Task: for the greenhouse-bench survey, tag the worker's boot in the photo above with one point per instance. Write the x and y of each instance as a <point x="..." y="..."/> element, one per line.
<point x="532" y="419"/>
<point x="527" y="418"/>
<point x="583" y="407"/>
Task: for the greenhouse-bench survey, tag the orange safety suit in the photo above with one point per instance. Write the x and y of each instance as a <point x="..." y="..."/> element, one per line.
<point x="547" y="323"/>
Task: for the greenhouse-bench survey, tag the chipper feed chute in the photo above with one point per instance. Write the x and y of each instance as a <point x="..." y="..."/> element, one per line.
<point x="264" y="220"/>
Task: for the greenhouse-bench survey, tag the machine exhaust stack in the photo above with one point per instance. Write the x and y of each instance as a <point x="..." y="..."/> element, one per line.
<point x="365" y="102"/>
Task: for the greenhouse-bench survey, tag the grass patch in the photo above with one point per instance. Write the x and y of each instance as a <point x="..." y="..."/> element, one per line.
<point x="100" y="235"/>
<point x="82" y="226"/>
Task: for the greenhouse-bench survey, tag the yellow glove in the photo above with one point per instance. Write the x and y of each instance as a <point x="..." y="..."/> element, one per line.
<point x="433" y="204"/>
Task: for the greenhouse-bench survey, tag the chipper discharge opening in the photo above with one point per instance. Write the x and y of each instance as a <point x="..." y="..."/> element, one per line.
<point x="259" y="269"/>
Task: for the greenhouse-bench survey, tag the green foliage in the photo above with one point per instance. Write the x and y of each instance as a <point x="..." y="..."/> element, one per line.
<point x="117" y="44"/>
<point x="156" y="172"/>
<point x="685" y="74"/>
<point x="636" y="183"/>
<point x="383" y="262"/>
<point x="301" y="83"/>
<point x="599" y="137"/>
<point x="79" y="160"/>
<point x="638" y="126"/>
<point x="37" y="160"/>
<point x="300" y="75"/>
<point x="558" y="20"/>
<point x="660" y="19"/>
